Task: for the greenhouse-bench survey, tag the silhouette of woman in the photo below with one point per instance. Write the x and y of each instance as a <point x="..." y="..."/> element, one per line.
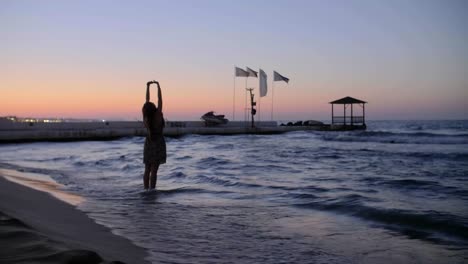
<point x="154" y="153"/>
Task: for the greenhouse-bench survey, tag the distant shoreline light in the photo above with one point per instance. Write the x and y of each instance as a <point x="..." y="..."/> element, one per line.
<point x="33" y="120"/>
<point x="45" y="120"/>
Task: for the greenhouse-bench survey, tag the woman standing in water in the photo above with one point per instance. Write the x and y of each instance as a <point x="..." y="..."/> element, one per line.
<point x="154" y="153"/>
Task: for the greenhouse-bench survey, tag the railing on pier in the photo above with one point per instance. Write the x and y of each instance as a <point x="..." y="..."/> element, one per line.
<point x="348" y="120"/>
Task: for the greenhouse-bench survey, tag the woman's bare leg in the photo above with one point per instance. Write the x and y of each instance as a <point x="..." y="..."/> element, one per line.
<point x="146" y="176"/>
<point x="154" y="175"/>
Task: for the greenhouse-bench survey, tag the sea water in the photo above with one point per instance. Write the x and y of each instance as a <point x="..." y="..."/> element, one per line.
<point x="396" y="193"/>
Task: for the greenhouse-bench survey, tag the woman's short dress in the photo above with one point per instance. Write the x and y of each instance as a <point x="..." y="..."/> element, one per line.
<point x="155" y="150"/>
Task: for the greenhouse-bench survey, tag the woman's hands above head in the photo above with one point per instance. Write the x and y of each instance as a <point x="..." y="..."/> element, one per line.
<point x="151" y="82"/>
<point x="148" y="90"/>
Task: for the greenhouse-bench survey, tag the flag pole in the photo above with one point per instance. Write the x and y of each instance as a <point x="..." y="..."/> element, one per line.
<point x="259" y="104"/>
<point x="234" y="98"/>
<point x="272" y="97"/>
<point x="245" y="102"/>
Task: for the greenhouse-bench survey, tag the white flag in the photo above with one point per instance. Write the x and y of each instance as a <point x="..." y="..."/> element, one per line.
<point x="263" y="83"/>
<point x="279" y="77"/>
<point x="251" y="72"/>
<point x="241" y="73"/>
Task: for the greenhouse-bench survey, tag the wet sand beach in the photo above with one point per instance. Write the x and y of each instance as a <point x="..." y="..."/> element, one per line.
<point x="36" y="227"/>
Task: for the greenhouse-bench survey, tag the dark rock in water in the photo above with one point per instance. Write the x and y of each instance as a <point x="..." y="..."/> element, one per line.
<point x="290" y="124"/>
<point x="312" y="123"/>
<point x="298" y="123"/>
<point x="282" y="124"/>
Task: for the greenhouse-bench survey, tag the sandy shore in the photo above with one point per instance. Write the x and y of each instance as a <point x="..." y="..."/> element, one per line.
<point x="35" y="227"/>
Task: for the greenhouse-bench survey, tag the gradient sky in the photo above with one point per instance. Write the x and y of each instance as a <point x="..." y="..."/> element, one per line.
<point x="92" y="59"/>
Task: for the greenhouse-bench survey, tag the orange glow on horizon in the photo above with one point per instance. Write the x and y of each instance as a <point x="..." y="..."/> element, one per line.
<point x="103" y="98"/>
<point x="97" y="98"/>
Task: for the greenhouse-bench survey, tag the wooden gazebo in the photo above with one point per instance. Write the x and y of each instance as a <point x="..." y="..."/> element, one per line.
<point x="351" y="119"/>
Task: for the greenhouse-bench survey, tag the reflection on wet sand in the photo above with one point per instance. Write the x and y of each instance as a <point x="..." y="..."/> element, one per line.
<point x="42" y="183"/>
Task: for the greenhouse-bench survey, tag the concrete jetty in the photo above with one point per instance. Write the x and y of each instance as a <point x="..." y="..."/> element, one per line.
<point x="69" y="131"/>
<point x="11" y="132"/>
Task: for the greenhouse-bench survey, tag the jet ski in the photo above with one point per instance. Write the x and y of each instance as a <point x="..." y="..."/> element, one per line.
<point x="212" y="120"/>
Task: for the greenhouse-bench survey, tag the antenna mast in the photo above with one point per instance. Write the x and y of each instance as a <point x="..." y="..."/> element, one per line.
<point x="253" y="111"/>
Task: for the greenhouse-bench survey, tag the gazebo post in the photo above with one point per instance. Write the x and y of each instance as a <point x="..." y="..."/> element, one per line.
<point x="352" y="122"/>
<point x="344" y="114"/>
<point x="363" y="114"/>
<point x="333" y="117"/>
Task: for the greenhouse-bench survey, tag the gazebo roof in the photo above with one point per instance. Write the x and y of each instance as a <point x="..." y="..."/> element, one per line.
<point x="348" y="100"/>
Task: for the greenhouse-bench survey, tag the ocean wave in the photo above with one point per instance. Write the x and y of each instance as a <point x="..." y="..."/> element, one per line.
<point x="300" y="196"/>
<point x="449" y="156"/>
<point x="184" y="190"/>
<point x="130" y="167"/>
<point x="411" y="184"/>
<point x="309" y="188"/>
<point x="428" y="186"/>
<point x="79" y="164"/>
<point x="160" y="193"/>
<point x="269" y="167"/>
<point x="101" y="163"/>
<point x="50" y="172"/>
<point x="394" y="137"/>
<point x="423" y="155"/>
<point x="186" y="157"/>
<point x="223" y="182"/>
<point x="176" y="175"/>
<point x="223" y="146"/>
<point x="212" y="161"/>
<point x="431" y="221"/>
<point x="51" y="159"/>
<point x="282" y="190"/>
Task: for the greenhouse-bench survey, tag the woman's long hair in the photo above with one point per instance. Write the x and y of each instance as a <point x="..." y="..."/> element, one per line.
<point x="149" y="112"/>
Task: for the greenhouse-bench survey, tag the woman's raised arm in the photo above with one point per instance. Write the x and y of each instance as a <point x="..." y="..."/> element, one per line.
<point x="160" y="102"/>
<point x="148" y="90"/>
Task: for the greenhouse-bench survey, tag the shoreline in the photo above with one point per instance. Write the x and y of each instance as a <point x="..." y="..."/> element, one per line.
<point x="39" y="227"/>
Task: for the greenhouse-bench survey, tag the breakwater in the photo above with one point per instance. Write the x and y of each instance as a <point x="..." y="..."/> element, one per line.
<point x="69" y="131"/>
